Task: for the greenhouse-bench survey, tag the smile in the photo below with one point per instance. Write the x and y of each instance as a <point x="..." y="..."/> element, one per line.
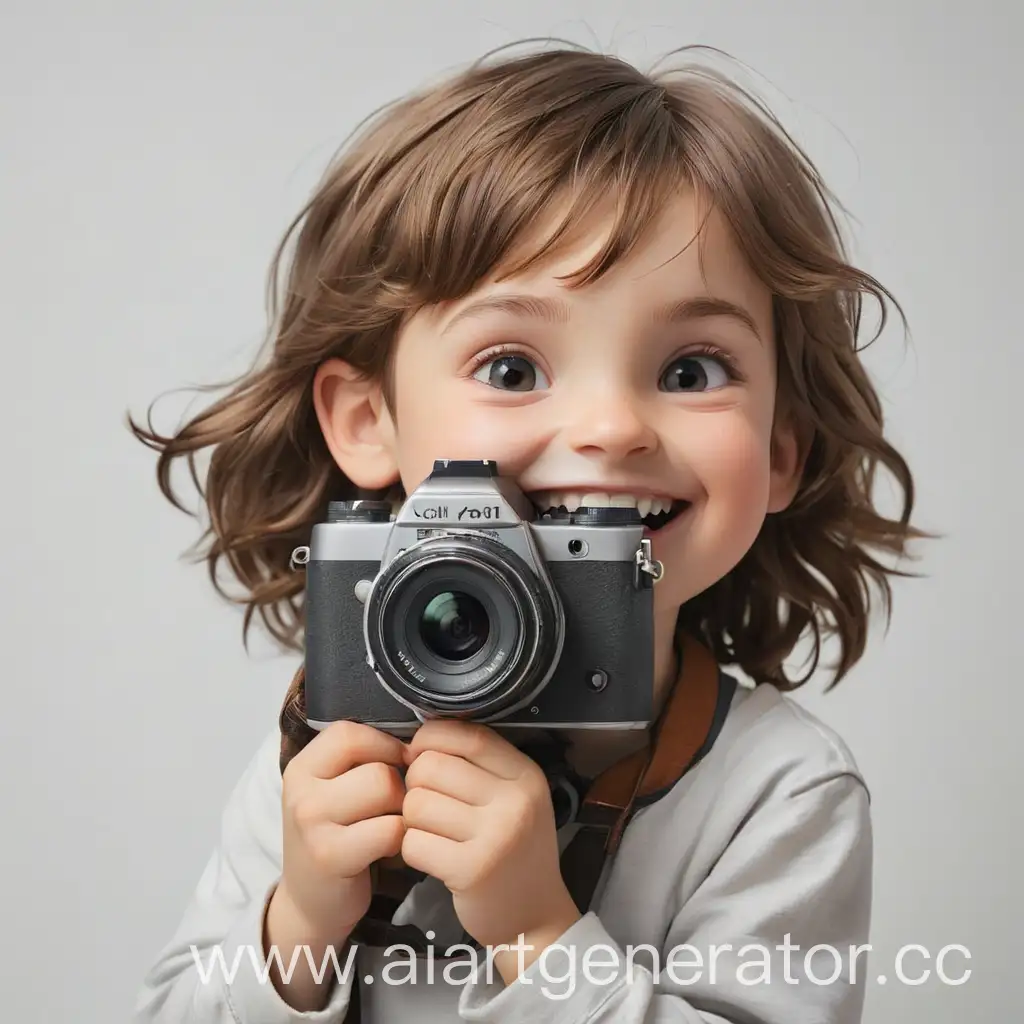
<point x="656" y="511"/>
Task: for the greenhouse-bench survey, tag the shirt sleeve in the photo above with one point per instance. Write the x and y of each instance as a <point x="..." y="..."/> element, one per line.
<point x="771" y="935"/>
<point x="213" y="970"/>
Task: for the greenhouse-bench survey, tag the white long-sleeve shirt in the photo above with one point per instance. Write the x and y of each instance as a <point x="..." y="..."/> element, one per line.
<point x="706" y="915"/>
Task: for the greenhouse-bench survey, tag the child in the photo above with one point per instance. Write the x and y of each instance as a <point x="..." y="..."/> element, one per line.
<point x="625" y="290"/>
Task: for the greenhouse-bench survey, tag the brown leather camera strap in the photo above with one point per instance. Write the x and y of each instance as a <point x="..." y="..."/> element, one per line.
<point x="685" y="729"/>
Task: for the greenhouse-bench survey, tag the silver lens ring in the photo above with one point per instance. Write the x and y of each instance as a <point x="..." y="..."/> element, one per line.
<point x="524" y="628"/>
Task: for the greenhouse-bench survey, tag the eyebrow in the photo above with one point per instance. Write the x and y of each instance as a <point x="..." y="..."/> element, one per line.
<point x="556" y="311"/>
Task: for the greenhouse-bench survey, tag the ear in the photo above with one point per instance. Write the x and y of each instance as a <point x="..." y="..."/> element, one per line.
<point x="356" y="424"/>
<point x="788" y="455"/>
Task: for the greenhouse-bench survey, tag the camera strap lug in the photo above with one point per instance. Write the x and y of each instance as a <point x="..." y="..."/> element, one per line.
<point x="300" y="557"/>
<point x="645" y="563"/>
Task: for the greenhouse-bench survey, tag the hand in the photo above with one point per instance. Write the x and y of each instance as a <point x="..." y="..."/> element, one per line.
<point x="341" y="803"/>
<point x="479" y="817"/>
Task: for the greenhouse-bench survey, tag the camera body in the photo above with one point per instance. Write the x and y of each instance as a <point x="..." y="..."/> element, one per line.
<point x="467" y="604"/>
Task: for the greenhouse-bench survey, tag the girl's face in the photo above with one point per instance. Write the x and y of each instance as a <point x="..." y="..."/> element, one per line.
<point x="654" y="385"/>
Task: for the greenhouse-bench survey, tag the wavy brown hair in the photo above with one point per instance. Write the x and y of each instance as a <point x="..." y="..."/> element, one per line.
<point x="434" y="194"/>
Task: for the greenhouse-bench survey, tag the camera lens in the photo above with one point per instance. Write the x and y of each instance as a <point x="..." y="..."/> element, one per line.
<point x="462" y="626"/>
<point x="454" y="626"/>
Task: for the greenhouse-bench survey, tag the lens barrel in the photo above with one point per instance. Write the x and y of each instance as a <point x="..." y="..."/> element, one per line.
<point x="460" y="625"/>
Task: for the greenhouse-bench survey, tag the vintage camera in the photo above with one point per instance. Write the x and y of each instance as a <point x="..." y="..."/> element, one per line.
<point x="467" y="604"/>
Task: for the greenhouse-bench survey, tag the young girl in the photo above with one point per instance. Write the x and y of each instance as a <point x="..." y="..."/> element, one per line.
<point x="624" y="290"/>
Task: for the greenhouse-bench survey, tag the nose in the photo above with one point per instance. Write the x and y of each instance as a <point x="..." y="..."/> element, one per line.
<point x="611" y="422"/>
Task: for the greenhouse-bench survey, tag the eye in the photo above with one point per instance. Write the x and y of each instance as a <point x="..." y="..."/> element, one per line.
<point x="695" y="373"/>
<point x="511" y="373"/>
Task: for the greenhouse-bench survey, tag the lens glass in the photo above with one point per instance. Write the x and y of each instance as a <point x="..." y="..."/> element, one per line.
<point x="457" y="624"/>
<point x="454" y="625"/>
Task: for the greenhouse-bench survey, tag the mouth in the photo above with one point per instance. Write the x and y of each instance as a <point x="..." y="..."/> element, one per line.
<point x="656" y="511"/>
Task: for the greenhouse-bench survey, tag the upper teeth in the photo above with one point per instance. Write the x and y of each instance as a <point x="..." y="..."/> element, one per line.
<point x="572" y="500"/>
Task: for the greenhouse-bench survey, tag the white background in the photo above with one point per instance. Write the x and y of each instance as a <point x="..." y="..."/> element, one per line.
<point x="150" y="157"/>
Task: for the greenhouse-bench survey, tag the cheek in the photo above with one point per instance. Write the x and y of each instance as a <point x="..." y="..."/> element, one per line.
<point x="728" y="460"/>
<point x="731" y="461"/>
<point x="726" y="455"/>
<point x="447" y="426"/>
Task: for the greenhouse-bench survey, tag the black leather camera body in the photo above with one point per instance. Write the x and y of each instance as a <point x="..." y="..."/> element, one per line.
<point x="468" y="603"/>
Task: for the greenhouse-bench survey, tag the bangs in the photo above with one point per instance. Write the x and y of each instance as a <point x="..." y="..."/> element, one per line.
<point x="491" y="207"/>
<point x="570" y="216"/>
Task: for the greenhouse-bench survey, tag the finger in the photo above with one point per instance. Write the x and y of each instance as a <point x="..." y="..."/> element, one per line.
<point x="453" y="776"/>
<point x="365" y="791"/>
<point x="428" y="811"/>
<point x="354" y="848"/>
<point x="434" y="855"/>
<point x="469" y="740"/>
<point x="342" y="745"/>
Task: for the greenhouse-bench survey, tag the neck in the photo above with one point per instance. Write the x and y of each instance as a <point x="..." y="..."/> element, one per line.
<point x="666" y="664"/>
